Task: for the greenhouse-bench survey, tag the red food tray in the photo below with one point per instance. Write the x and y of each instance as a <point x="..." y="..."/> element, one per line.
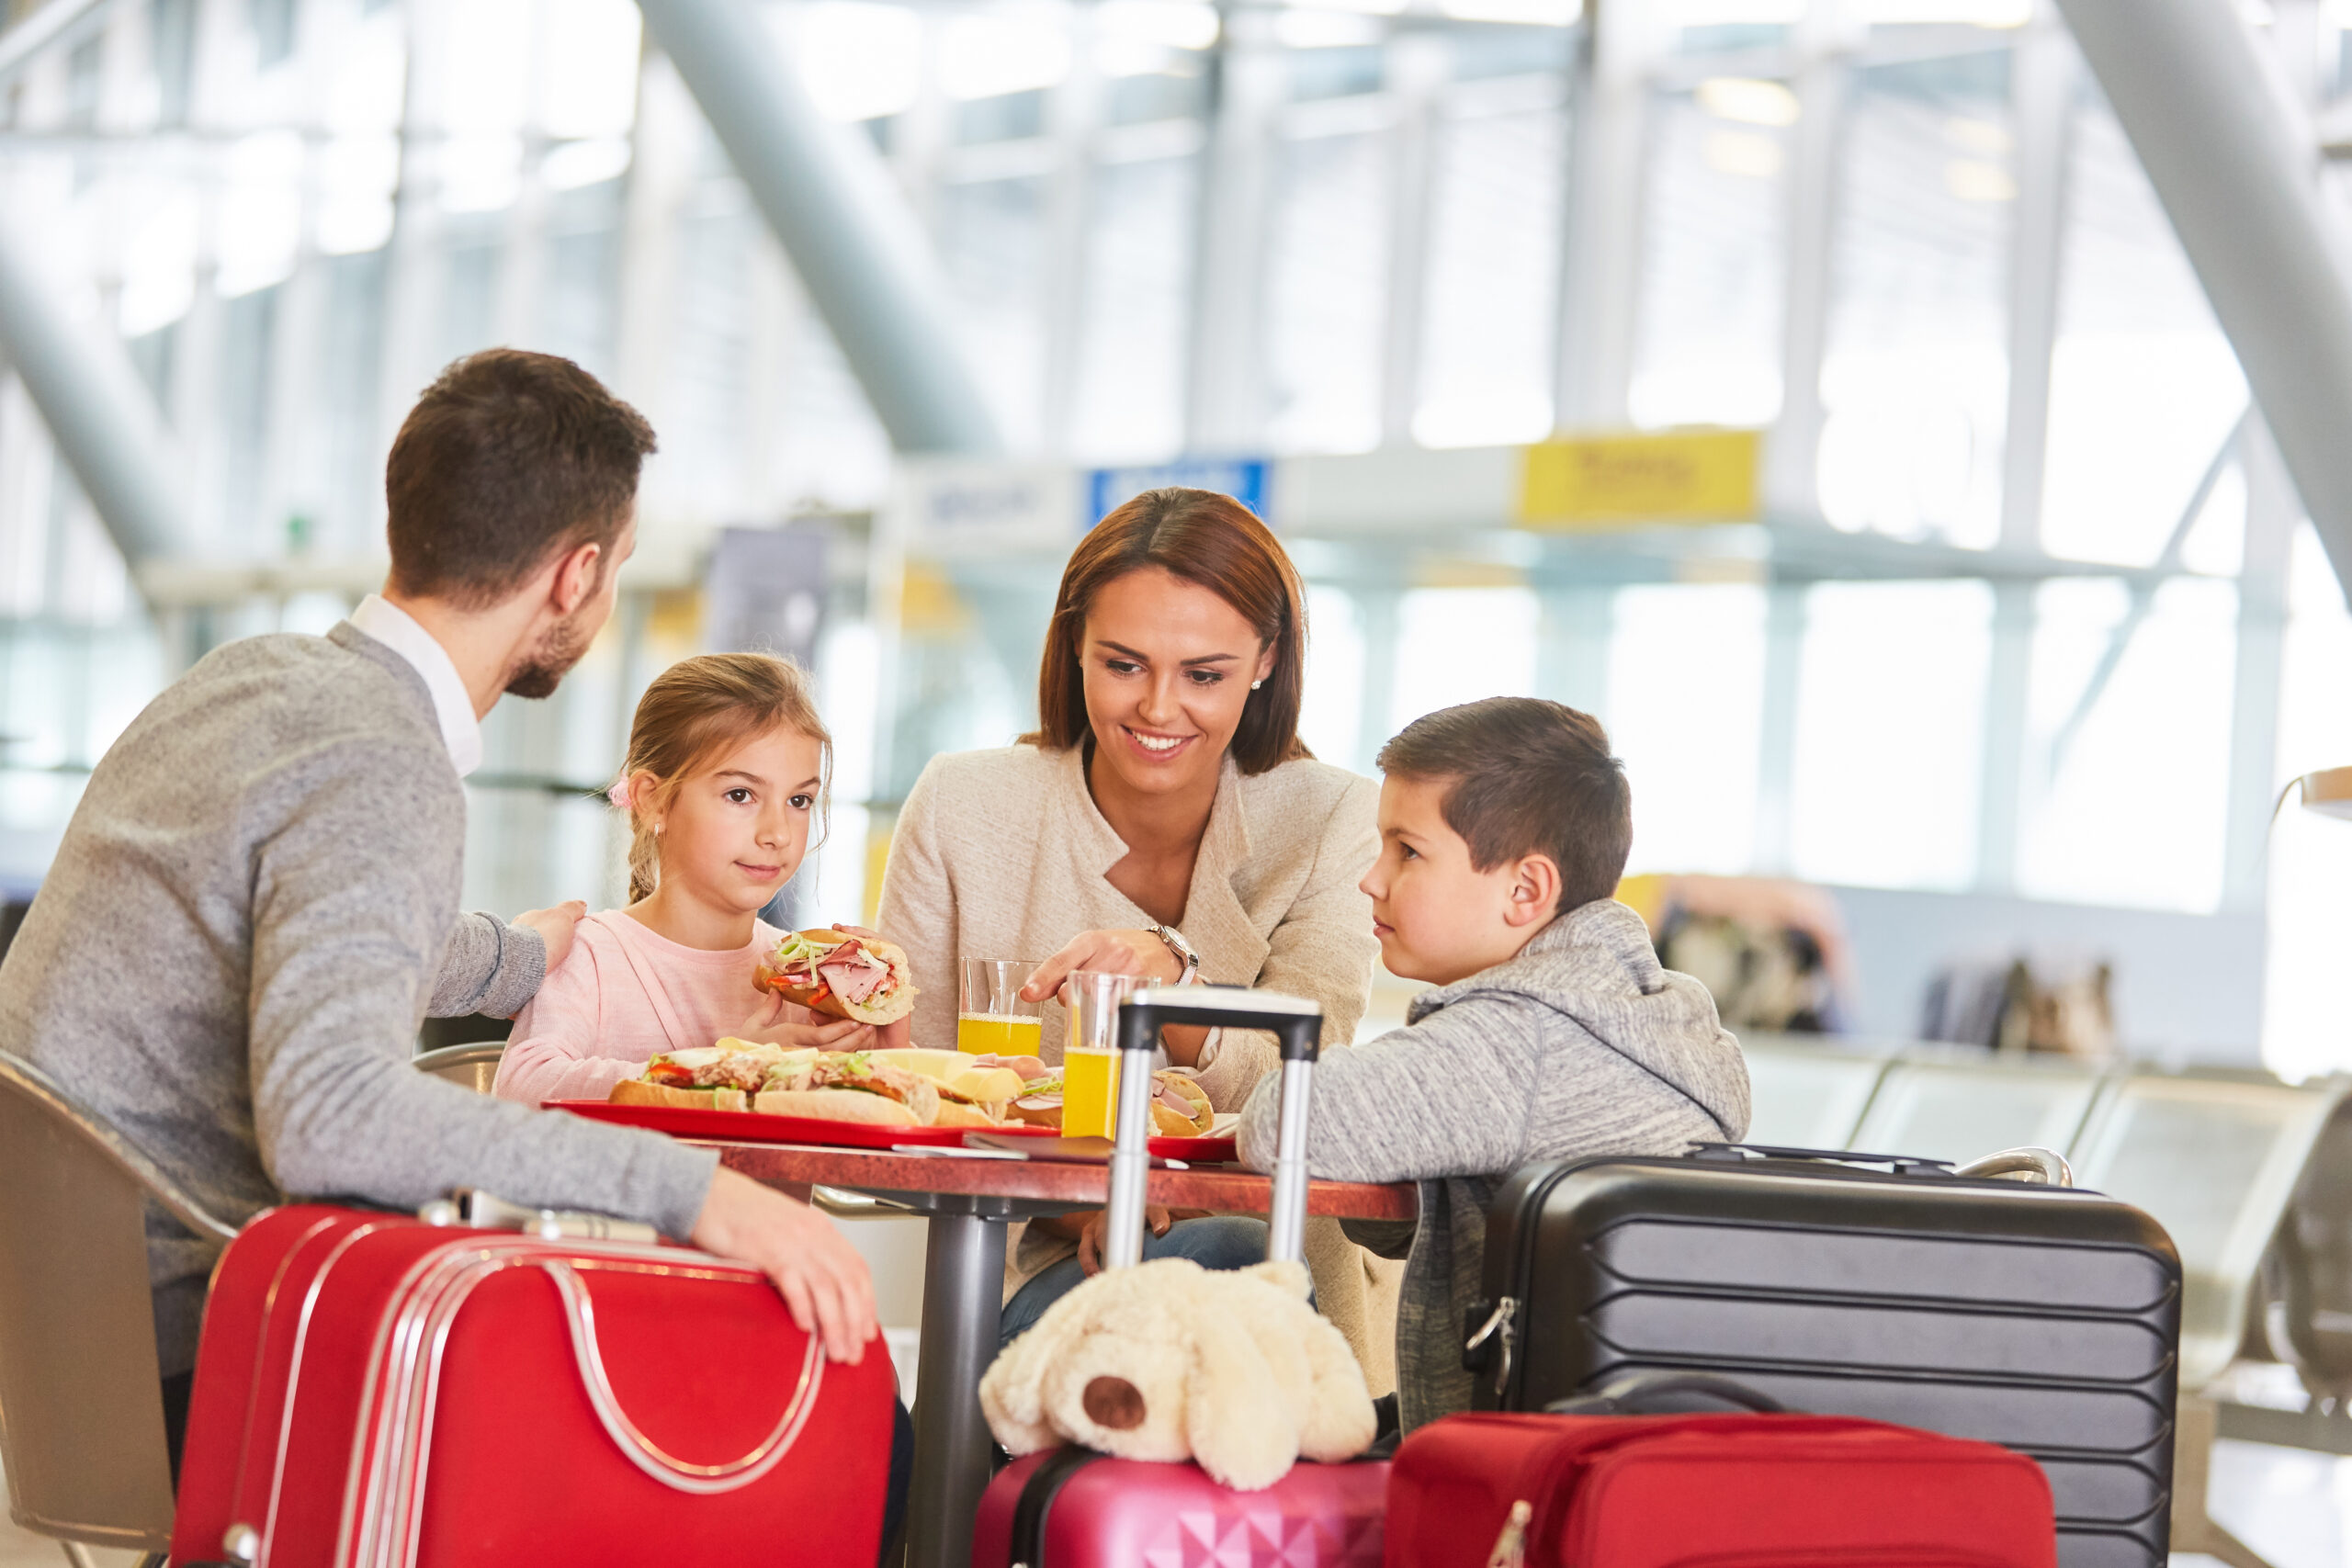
<point x="752" y="1127"/>
<point x="1197" y="1151"/>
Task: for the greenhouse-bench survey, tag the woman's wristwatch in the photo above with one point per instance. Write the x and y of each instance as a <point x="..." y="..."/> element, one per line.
<point x="1182" y="951"/>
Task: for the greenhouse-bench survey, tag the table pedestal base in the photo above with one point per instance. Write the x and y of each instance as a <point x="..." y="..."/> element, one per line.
<point x="962" y="1285"/>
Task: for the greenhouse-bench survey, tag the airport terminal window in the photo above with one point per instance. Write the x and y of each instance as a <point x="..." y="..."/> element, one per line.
<point x="1326" y="290"/>
<point x="993" y="243"/>
<point x="2135" y="813"/>
<point x="1330" y="718"/>
<point x="1685" y="711"/>
<point x="1914" y="373"/>
<point x="1494" y="251"/>
<point x="1890" y="708"/>
<point x="2143" y="388"/>
<point x="1132" y="335"/>
<point x="1707" y="349"/>
<point x="1455" y="645"/>
<point x="2311" y="856"/>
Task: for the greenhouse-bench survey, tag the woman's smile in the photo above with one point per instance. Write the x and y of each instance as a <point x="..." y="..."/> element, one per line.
<point x="1156" y="746"/>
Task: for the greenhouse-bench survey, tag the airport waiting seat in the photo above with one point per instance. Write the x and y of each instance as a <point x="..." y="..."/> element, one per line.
<point x="1961" y="1109"/>
<point x="1808" y="1096"/>
<point x="473" y="1066"/>
<point x="81" y="1400"/>
<point x="2216" y="1158"/>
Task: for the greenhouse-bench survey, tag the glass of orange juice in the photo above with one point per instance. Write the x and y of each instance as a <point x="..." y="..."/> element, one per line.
<point x="1091" y="1052"/>
<point x="993" y="1019"/>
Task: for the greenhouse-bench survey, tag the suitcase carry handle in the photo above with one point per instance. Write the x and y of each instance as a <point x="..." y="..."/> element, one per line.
<point x="2049" y="1165"/>
<point x="1297" y="1022"/>
<point x="1902" y="1164"/>
<point x="1640" y="1394"/>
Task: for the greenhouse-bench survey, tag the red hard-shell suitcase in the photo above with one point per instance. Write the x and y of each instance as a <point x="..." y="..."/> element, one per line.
<point x="1073" y="1508"/>
<point x="372" y="1390"/>
<point x="1755" y="1490"/>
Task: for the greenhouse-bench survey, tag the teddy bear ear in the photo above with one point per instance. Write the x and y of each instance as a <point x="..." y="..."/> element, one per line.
<point x="1236" y="1424"/>
<point x="1012" y="1394"/>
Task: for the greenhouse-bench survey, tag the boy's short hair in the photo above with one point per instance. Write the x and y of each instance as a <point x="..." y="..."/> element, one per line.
<point x="1528" y="777"/>
<point x="509" y="459"/>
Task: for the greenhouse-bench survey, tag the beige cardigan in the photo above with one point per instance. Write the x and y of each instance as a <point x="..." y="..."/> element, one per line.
<point x="1002" y="854"/>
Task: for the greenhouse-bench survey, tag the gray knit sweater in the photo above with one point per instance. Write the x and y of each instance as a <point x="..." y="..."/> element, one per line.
<point x="253" y="908"/>
<point x="1582" y="1045"/>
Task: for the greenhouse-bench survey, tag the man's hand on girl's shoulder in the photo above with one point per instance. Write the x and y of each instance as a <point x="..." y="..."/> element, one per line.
<point x="556" y="928"/>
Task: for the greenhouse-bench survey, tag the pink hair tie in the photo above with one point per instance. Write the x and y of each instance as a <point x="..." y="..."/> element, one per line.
<point x="619" y="794"/>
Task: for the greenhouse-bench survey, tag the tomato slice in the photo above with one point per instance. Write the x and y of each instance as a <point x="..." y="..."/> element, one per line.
<point x="670" y="1075"/>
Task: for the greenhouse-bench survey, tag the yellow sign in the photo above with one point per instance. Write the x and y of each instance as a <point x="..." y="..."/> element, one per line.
<point x="1675" y="476"/>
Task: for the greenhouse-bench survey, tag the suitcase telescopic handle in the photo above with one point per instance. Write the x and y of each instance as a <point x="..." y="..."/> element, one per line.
<point x="1297" y="1023"/>
<point x="1644" y="1393"/>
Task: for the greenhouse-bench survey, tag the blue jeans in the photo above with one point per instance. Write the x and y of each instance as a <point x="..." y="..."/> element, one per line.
<point x="1220" y="1241"/>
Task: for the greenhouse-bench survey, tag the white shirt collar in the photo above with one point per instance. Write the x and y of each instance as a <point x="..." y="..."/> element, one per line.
<point x="393" y="627"/>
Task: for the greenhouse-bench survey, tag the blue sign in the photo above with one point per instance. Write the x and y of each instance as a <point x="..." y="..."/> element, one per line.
<point x="1243" y="479"/>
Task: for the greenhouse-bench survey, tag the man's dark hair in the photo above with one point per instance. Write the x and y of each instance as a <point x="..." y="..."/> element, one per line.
<point x="508" y="459"/>
<point x="1527" y="778"/>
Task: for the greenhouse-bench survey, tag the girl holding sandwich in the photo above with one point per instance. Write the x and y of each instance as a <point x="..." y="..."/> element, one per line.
<point x="728" y="762"/>
<point x="1165" y="820"/>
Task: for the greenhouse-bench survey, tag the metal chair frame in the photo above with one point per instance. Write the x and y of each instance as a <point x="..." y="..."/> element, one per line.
<point x="80" y="1397"/>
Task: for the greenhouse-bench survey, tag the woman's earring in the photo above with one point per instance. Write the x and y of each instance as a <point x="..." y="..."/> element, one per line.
<point x="1255" y="684"/>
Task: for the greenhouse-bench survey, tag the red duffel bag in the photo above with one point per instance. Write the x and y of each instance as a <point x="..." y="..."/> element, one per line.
<point x="375" y="1392"/>
<point x="1746" y="1491"/>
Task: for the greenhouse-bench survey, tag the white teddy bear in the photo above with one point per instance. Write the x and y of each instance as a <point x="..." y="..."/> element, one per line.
<point x="1169" y="1361"/>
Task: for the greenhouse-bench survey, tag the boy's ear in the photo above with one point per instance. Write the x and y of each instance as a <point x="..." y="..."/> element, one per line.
<point x="1534" y="891"/>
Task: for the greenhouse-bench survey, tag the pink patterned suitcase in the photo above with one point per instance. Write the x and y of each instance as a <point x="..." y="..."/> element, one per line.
<point x="1075" y="1508"/>
<point x="1072" y="1508"/>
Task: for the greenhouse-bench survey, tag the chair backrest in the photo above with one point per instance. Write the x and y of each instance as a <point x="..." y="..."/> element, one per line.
<point x="80" y="1397"/>
<point x="1806" y="1097"/>
<point x="473" y="1066"/>
<point x="2215" y="1159"/>
<point x="1960" y="1109"/>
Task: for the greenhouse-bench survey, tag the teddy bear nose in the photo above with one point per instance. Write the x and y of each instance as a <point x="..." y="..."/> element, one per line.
<point x="1114" y="1403"/>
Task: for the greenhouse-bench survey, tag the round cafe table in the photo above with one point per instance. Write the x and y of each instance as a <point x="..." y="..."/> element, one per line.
<point x="968" y="1202"/>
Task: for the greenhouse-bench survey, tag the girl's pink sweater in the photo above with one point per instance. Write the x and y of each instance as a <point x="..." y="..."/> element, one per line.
<point x="595" y="1021"/>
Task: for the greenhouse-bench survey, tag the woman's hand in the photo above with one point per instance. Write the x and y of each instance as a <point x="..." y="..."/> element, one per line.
<point x="771" y="1025"/>
<point x="823" y="1280"/>
<point x="1089" y="1240"/>
<point x="1109" y="953"/>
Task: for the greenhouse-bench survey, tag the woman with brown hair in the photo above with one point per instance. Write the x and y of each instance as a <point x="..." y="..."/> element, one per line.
<point x="1166" y="821"/>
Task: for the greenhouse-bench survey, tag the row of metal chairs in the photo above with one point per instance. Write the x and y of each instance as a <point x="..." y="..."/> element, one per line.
<point x="2218" y="1156"/>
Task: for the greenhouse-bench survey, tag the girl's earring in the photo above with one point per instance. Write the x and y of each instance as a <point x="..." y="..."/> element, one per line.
<point x="1255" y="684"/>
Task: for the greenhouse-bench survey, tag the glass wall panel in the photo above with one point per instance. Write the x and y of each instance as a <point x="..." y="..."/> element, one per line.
<point x="1914" y="373"/>
<point x="2310" y="855"/>
<point x="2134" y="811"/>
<point x="1707" y="348"/>
<point x="1890" y="715"/>
<point x="1332" y="713"/>
<point x="993" y="242"/>
<point x="1494" y="262"/>
<point x="1457" y="644"/>
<point x="1327" y="292"/>
<point x="2143" y="388"/>
<point x="1686" y="683"/>
<point x="1130" y="399"/>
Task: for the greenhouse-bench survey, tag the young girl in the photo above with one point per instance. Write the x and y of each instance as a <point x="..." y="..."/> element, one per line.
<point x="727" y="763"/>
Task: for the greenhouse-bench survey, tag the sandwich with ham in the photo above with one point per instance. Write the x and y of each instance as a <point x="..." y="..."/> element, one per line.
<point x="712" y="1078"/>
<point x="861" y="978"/>
<point x="851" y="1085"/>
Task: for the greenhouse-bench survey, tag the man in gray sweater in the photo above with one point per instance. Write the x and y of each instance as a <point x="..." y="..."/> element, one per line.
<point x="256" y="900"/>
<point x="1554" y="1034"/>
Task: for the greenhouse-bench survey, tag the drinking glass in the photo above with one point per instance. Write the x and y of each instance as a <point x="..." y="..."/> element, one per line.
<point x="993" y="1019"/>
<point x="1091" y="1052"/>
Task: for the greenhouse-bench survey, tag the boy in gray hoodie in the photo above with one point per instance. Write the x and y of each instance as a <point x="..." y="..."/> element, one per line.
<point x="1553" y="1031"/>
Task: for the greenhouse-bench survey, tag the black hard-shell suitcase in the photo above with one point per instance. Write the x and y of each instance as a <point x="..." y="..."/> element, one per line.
<point x="2046" y="1319"/>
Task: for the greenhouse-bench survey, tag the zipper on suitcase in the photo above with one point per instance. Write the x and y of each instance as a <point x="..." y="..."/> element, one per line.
<point x="1037" y="1494"/>
<point x="1499" y="1316"/>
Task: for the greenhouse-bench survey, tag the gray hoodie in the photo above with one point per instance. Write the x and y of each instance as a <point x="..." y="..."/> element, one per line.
<point x="1582" y="1045"/>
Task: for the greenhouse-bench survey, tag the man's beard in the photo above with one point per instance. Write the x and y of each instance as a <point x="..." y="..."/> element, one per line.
<point x="544" y="665"/>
